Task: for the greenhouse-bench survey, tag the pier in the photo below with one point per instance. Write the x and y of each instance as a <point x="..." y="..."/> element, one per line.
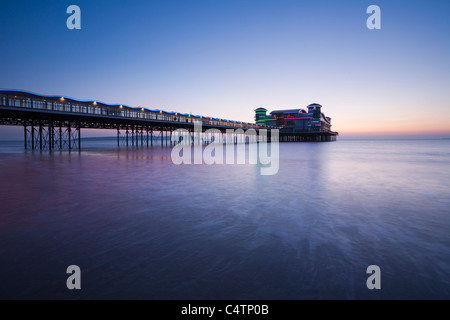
<point x="51" y="122"/>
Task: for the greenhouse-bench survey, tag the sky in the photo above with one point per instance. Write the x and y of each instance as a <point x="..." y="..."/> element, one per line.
<point x="225" y="58"/>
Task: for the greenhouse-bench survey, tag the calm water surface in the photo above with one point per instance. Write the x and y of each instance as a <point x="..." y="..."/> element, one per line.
<point x="140" y="227"/>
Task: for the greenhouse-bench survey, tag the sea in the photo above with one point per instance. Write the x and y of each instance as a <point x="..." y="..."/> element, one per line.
<point x="139" y="226"/>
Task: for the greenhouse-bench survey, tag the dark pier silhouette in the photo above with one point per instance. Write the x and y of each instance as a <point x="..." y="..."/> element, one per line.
<point x="52" y="122"/>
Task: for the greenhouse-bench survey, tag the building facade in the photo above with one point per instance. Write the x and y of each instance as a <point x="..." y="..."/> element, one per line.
<point x="301" y="120"/>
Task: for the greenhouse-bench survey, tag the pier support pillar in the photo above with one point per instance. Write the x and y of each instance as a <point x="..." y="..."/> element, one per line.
<point x="60" y="136"/>
<point x="32" y="137"/>
<point x="79" y="137"/>
<point x="69" y="133"/>
<point x="40" y="137"/>
<point x="25" y="135"/>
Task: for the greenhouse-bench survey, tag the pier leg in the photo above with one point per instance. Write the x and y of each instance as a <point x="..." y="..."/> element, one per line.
<point x="25" y="135"/>
<point x="79" y="137"/>
<point x="50" y="136"/>
<point x="32" y="137"/>
<point x="60" y="136"/>
<point x="40" y="136"/>
<point x="69" y="133"/>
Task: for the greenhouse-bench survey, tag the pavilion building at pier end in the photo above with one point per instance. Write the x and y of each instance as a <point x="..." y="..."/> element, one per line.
<point x="301" y="120"/>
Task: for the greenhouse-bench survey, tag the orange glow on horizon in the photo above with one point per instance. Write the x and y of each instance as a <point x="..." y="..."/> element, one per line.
<point x="388" y="132"/>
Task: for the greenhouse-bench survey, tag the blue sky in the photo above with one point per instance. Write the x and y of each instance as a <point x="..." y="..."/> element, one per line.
<point x="225" y="58"/>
